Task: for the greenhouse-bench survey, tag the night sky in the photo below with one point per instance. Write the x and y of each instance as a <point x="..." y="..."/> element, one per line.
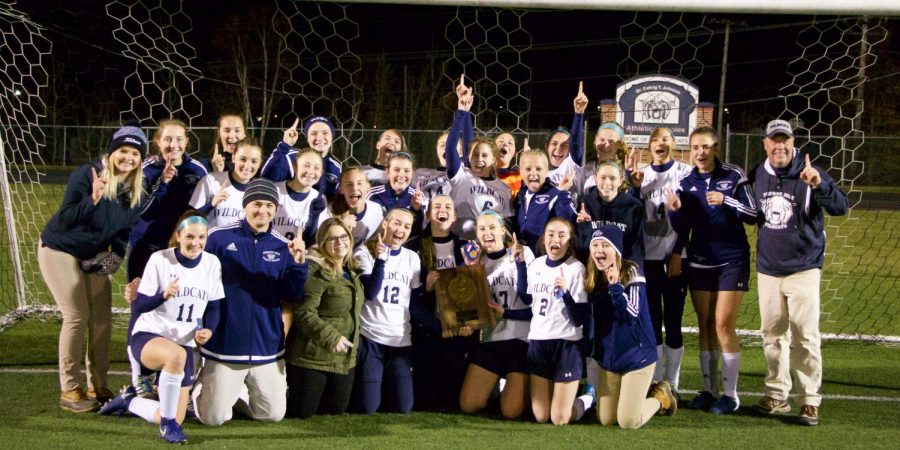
<point x="566" y="46"/>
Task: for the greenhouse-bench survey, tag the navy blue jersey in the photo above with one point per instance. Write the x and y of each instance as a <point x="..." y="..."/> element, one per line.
<point x="716" y="233"/>
<point x="791" y="236"/>
<point x="168" y="202"/>
<point x="625" y="211"/>
<point x="283" y="160"/>
<point x="535" y="209"/>
<point x="258" y="273"/>
<point x="385" y="196"/>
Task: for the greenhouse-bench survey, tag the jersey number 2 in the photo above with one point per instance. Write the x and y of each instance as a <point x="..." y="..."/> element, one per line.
<point x="544" y="303"/>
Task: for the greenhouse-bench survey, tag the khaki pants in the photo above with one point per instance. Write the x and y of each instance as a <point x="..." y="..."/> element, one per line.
<point x="789" y="308"/>
<point x="258" y="391"/>
<point x="85" y="301"/>
<point x="623" y="398"/>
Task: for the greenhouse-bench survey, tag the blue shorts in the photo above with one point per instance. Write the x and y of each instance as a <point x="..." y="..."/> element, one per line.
<point x="375" y="361"/>
<point x="555" y="359"/>
<point x="734" y="276"/>
<point x="502" y="357"/>
<point x="141" y="338"/>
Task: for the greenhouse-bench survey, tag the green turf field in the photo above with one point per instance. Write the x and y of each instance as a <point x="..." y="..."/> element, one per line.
<point x="859" y="297"/>
<point x="30" y="416"/>
<point x="859" y="289"/>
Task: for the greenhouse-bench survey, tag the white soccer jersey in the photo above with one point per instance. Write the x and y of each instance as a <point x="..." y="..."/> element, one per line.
<point x="293" y="210"/>
<point x="502" y="277"/>
<point x="367" y="222"/>
<point x="179" y="316"/>
<point x="385" y="319"/>
<point x="472" y="194"/>
<point x="568" y="166"/>
<point x="549" y="320"/>
<point x="227" y="211"/>
<point x="659" y="237"/>
<point x="433" y="182"/>
<point x="444" y="255"/>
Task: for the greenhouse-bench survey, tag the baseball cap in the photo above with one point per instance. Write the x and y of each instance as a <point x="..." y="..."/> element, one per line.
<point x="777" y="127"/>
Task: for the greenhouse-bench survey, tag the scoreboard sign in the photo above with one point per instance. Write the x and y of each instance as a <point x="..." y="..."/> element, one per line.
<point x="649" y="101"/>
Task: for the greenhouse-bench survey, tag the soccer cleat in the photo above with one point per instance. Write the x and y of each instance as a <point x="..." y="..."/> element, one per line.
<point x="809" y="415"/>
<point x="145" y="389"/>
<point x="77" y="402"/>
<point x="724" y="405"/>
<point x="769" y="405"/>
<point x="588" y="389"/>
<point x="119" y="404"/>
<point x="171" y="432"/>
<point x="703" y="401"/>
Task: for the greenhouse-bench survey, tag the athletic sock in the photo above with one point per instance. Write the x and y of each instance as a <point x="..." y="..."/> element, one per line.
<point x="673" y="365"/>
<point x="135" y="368"/>
<point x="582" y="404"/>
<point x="661" y="362"/>
<point x="169" y="391"/>
<point x="731" y="365"/>
<point x="704" y="370"/>
<point x="143" y="408"/>
<point x="714" y="371"/>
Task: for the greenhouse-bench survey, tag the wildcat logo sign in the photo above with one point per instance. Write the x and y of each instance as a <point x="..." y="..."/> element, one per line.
<point x="650" y="101"/>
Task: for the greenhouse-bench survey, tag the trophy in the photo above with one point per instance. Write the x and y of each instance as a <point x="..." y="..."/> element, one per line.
<point x="462" y="299"/>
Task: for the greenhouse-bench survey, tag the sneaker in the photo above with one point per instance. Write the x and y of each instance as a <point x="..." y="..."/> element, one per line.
<point x="662" y="392"/>
<point x="119" y="404"/>
<point x="77" y="402"/>
<point x="725" y="405"/>
<point x="703" y="401"/>
<point x="102" y="395"/>
<point x="809" y="415"/>
<point x="769" y="405"/>
<point x="171" y="432"/>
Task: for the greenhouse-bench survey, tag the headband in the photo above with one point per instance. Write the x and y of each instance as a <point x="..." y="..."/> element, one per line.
<point x="615" y="127"/>
<point x="190" y="221"/>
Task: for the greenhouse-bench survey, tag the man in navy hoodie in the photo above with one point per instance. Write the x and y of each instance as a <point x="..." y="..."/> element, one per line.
<point x="793" y="196"/>
<point x="244" y="360"/>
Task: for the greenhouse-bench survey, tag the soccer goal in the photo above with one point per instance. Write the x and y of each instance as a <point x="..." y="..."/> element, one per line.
<point x="66" y="85"/>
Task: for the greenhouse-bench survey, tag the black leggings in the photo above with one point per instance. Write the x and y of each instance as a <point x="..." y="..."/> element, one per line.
<point x="313" y="391"/>
<point x="665" y="296"/>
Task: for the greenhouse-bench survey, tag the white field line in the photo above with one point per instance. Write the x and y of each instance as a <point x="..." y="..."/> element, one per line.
<point x="864" y="398"/>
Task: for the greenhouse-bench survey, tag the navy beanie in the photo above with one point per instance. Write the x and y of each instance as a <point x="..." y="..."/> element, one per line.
<point x="315" y="119"/>
<point x="129" y="135"/>
<point x="611" y="234"/>
<point x="260" y="189"/>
